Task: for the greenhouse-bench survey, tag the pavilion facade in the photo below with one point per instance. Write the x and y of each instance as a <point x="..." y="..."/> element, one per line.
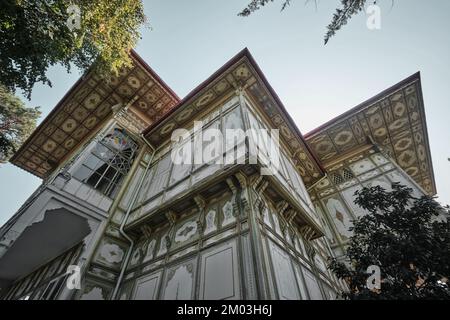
<point x="115" y="209"/>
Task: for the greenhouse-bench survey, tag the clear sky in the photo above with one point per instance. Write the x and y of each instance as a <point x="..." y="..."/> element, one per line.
<point x="189" y="40"/>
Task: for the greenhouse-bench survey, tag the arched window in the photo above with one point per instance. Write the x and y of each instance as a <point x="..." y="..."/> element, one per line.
<point x="108" y="162"/>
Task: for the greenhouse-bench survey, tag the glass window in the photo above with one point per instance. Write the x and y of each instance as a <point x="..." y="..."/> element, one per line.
<point x="160" y="177"/>
<point x="208" y="146"/>
<point x="182" y="164"/>
<point x="233" y="128"/>
<point x="109" y="161"/>
<point x="297" y="183"/>
<point x="46" y="282"/>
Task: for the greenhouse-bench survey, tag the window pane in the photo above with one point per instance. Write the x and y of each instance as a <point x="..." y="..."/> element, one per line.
<point x="114" y="186"/>
<point x="82" y="173"/>
<point x="161" y="176"/>
<point x="179" y="172"/>
<point x="103" y="152"/>
<point x="208" y="146"/>
<point x="233" y="128"/>
<point x="233" y="120"/>
<point x="93" y="162"/>
<point x="110" y="173"/>
<point x="182" y="158"/>
<point x="103" y="184"/>
<point x="158" y="183"/>
<point x="93" y="179"/>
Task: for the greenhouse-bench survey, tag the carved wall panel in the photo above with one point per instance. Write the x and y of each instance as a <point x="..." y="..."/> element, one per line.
<point x="95" y="291"/>
<point x="150" y="250"/>
<point x="339" y="215"/>
<point x="110" y="253"/>
<point x="186" y="231"/>
<point x="228" y="213"/>
<point x="210" y="221"/>
<point x="179" y="281"/>
<point x="362" y="166"/>
<point x="163" y="244"/>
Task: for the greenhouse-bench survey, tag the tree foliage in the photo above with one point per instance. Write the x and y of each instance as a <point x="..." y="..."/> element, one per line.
<point x="16" y="123"/>
<point x="348" y="9"/>
<point x="407" y="237"/>
<point x="342" y="15"/>
<point x="37" y="34"/>
<point x="255" y="5"/>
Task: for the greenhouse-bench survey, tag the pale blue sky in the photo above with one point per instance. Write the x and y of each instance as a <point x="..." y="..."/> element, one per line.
<point x="189" y="40"/>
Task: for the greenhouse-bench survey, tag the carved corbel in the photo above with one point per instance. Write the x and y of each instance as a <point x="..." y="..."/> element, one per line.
<point x="290" y="215"/>
<point x="168" y="242"/>
<point x="231" y="185"/>
<point x="241" y="179"/>
<point x="257" y="181"/>
<point x="310" y="251"/>
<point x="171" y="217"/>
<point x="243" y="182"/>
<point x="146" y="231"/>
<point x="201" y="204"/>
<point x="263" y="186"/>
<point x="260" y="188"/>
<point x="307" y="232"/>
<point x="234" y="190"/>
<point x="282" y="207"/>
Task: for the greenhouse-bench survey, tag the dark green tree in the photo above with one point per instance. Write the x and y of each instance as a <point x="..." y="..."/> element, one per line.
<point x="348" y="9"/>
<point x="408" y="238"/>
<point x="37" y="34"/>
<point x="16" y="123"/>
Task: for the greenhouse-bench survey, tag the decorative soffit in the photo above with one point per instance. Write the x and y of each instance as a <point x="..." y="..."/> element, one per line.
<point x="240" y="72"/>
<point x="394" y="120"/>
<point x="86" y="106"/>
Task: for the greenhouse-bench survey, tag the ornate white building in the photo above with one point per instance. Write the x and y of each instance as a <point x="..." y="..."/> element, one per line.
<point x="139" y="226"/>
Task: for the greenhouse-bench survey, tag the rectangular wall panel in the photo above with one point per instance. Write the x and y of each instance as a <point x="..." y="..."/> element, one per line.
<point x="313" y="285"/>
<point x="284" y="274"/>
<point x="301" y="283"/>
<point x="219" y="273"/>
<point x="147" y="287"/>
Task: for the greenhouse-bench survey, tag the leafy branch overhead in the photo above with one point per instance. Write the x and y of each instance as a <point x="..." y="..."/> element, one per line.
<point x="16" y="123"/>
<point x="408" y="238"/>
<point x="348" y="9"/>
<point x="35" y="35"/>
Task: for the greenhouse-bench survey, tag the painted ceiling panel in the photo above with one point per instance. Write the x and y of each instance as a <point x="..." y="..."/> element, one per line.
<point x="394" y="120"/>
